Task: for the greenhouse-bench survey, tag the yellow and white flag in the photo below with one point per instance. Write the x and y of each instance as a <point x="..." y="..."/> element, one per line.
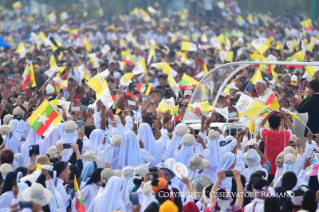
<point x="64" y="16"/>
<point x="257" y="76"/>
<point x="168" y="70"/>
<point x="126" y="79"/>
<point x="63" y="103"/>
<point x="106" y="48"/>
<point x="250" y="19"/>
<point x="248" y="106"/>
<point x="221" y="5"/>
<point x="140" y="67"/>
<point x="188" y="46"/>
<point x="21" y="50"/>
<point x="240" y="21"/>
<point x="311" y="70"/>
<point x="291" y="44"/>
<point x="223" y="111"/>
<point x="259" y="46"/>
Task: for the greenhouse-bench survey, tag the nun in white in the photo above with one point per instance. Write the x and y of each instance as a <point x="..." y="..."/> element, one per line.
<point x="228" y="161"/>
<point x="171" y="145"/>
<point x="146" y="135"/>
<point x="18" y="161"/>
<point x="51" y="140"/>
<point x="14" y="139"/>
<point x="186" y="151"/>
<point x="111" y="153"/>
<point x="63" y="172"/>
<point x="31" y="139"/>
<point x="118" y="129"/>
<point x="91" y="189"/>
<point x="7" y="194"/>
<point x="69" y="136"/>
<point x="129" y="151"/>
<point x="252" y="160"/>
<point x="110" y="199"/>
<point x="127" y="176"/>
<point x="215" y="156"/>
<point x="96" y="137"/>
<point x="87" y="171"/>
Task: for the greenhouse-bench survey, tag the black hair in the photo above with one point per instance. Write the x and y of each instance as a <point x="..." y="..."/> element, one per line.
<point x="3" y="72"/>
<point x="309" y="201"/>
<point x="288" y="206"/>
<point x="247" y="199"/>
<point x="87" y="131"/>
<point x="104" y="65"/>
<point x="8" y="182"/>
<point x="281" y="193"/>
<point x="162" y="76"/>
<point x="23" y="170"/>
<point x="95" y="177"/>
<point x="272" y="204"/>
<point x="313" y="183"/>
<point x="148" y="120"/>
<point x="157" y="91"/>
<point x="75" y="171"/>
<point x="289" y="180"/>
<point x="59" y="167"/>
<point x="314" y="85"/>
<point x="254" y="176"/>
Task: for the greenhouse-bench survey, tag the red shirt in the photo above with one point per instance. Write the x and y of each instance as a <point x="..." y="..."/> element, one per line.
<point x="274" y="142"/>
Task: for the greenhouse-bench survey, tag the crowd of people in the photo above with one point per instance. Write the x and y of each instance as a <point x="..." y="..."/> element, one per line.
<point x="93" y="113"/>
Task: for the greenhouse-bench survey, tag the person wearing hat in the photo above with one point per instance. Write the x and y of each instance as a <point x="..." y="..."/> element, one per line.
<point x="51" y="153"/>
<point x="111" y="193"/>
<point x="16" y="128"/>
<point x="110" y="153"/>
<point x="49" y="141"/>
<point x="127" y="176"/>
<point x="196" y="167"/>
<point x="260" y="189"/>
<point x="68" y="137"/>
<point x="252" y="159"/>
<point x="37" y="193"/>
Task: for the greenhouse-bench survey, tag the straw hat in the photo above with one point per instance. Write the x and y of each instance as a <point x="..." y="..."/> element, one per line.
<point x="7" y="118"/>
<point x="5" y="168"/>
<point x="198" y="163"/>
<point x="70" y="127"/>
<point x="181" y="130"/>
<point x="37" y="193"/>
<point x="188" y="140"/>
<point x="213" y="134"/>
<point x="51" y="152"/>
<point x="106" y="174"/>
<point x="116" y="141"/>
<point x="18" y="112"/>
<point x="290" y="159"/>
<point x="91" y="156"/>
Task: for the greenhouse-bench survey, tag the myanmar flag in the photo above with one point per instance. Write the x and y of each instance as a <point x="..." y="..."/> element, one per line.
<point x="74" y="33"/>
<point x="78" y="197"/>
<point x="272" y="102"/>
<point x="140" y="87"/>
<point x="187" y="81"/>
<point x="44" y="119"/>
<point x="28" y="76"/>
<point x="128" y="58"/>
<point x="280" y="48"/>
<point x="257" y="58"/>
<point x="114" y="100"/>
<point x="298" y="57"/>
<point x="176" y="115"/>
<point x="307" y="24"/>
<point x="266" y="68"/>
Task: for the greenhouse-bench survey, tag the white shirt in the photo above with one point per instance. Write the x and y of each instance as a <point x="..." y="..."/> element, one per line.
<point x="259" y="205"/>
<point x="60" y="188"/>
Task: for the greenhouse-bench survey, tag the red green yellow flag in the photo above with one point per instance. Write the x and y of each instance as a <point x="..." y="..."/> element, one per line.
<point x="187" y="81"/>
<point x="128" y="58"/>
<point x="272" y="102"/>
<point x="307" y="24"/>
<point x="114" y="100"/>
<point x="44" y="119"/>
<point x="78" y="198"/>
<point x="298" y="57"/>
<point x="28" y="76"/>
<point x="74" y="33"/>
<point x="140" y="87"/>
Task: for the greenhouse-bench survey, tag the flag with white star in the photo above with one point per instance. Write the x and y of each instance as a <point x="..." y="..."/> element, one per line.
<point x="44" y="119"/>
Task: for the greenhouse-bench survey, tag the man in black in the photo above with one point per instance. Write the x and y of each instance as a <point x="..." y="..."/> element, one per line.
<point x="310" y="105"/>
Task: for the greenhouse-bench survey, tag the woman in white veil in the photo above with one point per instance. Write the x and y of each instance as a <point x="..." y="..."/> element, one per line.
<point x="51" y="140"/>
<point x="69" y="136"/>
<point x="110" y="199"/>
<point x="31" y="139"/>
<point x="171" y="145"/>
<point x="96" y="137"/>
<point x="227" y="162"/>
<point x="145" y="134"/>
<point x="127" y="176"/>
<point x="130" y="151"/>
<point x="111" y="153"/>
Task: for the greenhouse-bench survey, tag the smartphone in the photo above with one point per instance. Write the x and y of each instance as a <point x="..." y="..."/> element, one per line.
<point x="80" y="124"/>
<point x="251" y="146"/>
<point x="153" y="130"/>
<point x="229" y="173"/>
<point x="153" y="173"/>
<point x="84" y="107"/>
<point x="66" y="146"/>
<point x="36" y="149"/>
<point x="131" y="102"/>
<point x="134" y="198"/>
<point x="222" y="143"/>
<point x="75" y="108"/>
<point x="30" y="150"/>
<point x="129" y="97"/>
<point x="14" y="182"/>
<point x="25" y="204"/>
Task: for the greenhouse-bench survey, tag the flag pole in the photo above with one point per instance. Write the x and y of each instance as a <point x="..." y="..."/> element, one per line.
<point x="305" y="125"/>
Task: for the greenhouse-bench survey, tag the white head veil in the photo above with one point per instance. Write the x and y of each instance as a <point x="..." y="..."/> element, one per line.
<point x="111" y="155"/>
<point x="87" y="171"/>
<point x="121" y="130"/>
<point x="61" y="127"/>
<point x="127" y="176"/>
<point x="49" y="141"/>
<point x="185" y="154"/>
<point x="68" y="138"/>
<point x="130" y="151"/>
<point x="96" y="137"/>
<point x="110" y="199"/>
<point x="31" y="139"/>
<point x="214" y="148"/>
<point x="8" y="142"/>
<point x="225" y="163"/>
<point x="18" y="161"/>
<point x="145" y="134"/>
